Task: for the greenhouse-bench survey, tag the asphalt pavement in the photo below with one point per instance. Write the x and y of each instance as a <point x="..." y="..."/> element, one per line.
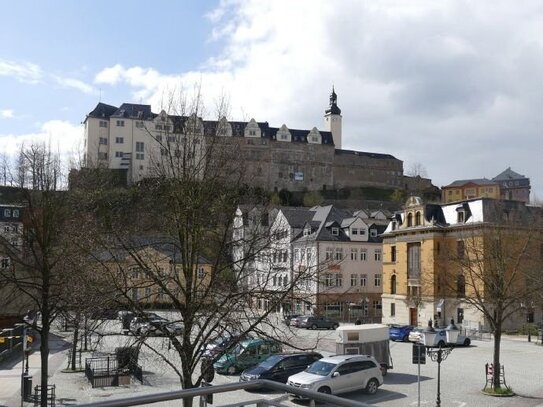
<point x="462" y="374"/>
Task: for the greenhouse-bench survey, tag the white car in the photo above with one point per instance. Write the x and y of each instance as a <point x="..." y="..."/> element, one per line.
<point x="340" y="374"/>
<point x="416" y="335"/>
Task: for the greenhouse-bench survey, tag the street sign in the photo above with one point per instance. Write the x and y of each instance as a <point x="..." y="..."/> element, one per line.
<point x="419" y="354"/>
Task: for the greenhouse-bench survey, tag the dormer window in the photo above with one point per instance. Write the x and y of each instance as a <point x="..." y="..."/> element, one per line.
<point x="373" y="232"/>
<point x="354" y="231"/>
<point x="460" y="217"/>
<point x="335" y="231"/>
<point x="307" y="232"/>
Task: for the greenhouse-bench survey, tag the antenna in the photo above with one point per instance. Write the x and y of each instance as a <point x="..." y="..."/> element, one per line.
<point x="100" y="98"/>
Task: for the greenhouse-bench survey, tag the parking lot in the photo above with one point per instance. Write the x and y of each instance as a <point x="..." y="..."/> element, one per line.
<point x="462" y="374"/>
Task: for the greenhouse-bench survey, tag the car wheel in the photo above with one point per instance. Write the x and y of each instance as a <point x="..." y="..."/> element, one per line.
<point x="313" y="326"/>
<point x="232" y="370"/>
<point x="336" y="326"/>
<point x="372" y="386"/>
<point x="441" y="343"/>
<point x="325" y="389"/>
<point x="467" y="342"/>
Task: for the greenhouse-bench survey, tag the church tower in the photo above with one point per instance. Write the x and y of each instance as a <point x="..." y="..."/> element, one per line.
<point x="332" y="119"/>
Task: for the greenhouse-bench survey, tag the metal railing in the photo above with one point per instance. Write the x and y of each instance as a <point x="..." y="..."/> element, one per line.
<point x="313" y="396"/>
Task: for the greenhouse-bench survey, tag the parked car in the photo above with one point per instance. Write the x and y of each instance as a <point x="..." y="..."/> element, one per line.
<point x="279" y="367"/>
<point x="287" y="318"/>
<point x="247" y="353"/>
<point x="295" y="321"/>
<point x="137" y="322"/>
<point x="161" y="327"/>
<point x="416" y="335"/>
<point x="399" y="332"/>
<point x="318" y="322"/>
<point x="340" y="374"/>
<point x="221" y="343"/>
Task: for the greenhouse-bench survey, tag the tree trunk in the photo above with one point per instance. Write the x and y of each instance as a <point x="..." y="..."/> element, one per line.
<point x="44" y="355"/>
<point x="74" y="345"/>
<point x="496" y="360"/>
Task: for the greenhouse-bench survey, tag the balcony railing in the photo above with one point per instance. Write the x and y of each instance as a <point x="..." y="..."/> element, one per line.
<point x="202" y="392"/>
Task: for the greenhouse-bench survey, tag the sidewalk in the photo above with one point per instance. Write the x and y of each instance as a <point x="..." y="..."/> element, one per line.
<point x="11" y="369"/>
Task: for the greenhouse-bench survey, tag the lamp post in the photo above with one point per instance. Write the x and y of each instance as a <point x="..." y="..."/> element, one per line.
<point x="439" y="354"/>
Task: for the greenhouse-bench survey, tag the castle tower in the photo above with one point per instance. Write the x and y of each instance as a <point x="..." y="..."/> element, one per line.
<point x="332" y="119"/>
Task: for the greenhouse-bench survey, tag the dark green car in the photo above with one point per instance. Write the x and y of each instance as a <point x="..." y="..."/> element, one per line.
<point x="247" y="353"/>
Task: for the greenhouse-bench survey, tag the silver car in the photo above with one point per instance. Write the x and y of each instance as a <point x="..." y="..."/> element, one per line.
<point x="340" y="374"/>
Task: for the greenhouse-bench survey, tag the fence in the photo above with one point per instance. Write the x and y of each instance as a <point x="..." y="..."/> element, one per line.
<point x="51" y="396"/>
<point x="105" y="372"/>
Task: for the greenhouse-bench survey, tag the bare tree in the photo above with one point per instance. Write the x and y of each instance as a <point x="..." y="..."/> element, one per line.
<point x="497" y="268"/>
<point x="157" y="236"/>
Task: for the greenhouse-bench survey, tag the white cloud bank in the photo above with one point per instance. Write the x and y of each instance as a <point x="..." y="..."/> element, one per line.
<point x="454" y="85"/>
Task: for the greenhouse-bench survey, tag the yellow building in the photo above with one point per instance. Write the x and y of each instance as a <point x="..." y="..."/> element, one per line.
<point x="436" y="259"/>
<point x="470" y="189"/>
<point x="153" y="275"/>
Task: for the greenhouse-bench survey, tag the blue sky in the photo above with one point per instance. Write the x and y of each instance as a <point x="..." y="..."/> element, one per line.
<point x="453" y="86"/>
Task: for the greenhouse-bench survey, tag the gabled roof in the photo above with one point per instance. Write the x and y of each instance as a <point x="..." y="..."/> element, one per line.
<point x="507" y="175"/>
<point x="102" y="111"/>
<point x="478" y="181"/>
<point x="134" y="111"/>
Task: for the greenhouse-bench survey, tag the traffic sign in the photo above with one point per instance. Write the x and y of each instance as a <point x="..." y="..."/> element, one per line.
<point x="419" y="354"/>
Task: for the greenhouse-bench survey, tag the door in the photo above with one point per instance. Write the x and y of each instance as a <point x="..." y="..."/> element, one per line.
<point x="413" y="317"/>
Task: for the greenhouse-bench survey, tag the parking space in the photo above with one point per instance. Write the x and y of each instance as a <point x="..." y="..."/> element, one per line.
<point x="462" y="373"/>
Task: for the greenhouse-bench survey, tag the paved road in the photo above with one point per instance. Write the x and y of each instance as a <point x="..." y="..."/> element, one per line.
<point x="462" y="376"/>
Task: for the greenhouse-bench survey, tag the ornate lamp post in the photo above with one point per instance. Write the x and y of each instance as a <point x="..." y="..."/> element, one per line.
<point x="439" y="354"/>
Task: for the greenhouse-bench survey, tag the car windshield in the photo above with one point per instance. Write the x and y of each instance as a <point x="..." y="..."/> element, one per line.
<point x="271" y="362"/>
<point x="320" y="368"/>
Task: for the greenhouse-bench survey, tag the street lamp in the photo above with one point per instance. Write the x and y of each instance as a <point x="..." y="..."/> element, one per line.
<point x="439" y="354"/>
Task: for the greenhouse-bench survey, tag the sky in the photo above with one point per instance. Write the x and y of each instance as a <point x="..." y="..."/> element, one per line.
<point x="453" y="87"/>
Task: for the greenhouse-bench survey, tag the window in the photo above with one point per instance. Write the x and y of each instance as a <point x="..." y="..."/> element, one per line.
<point x="377" y="255"/>
<point x="377" y="280"/>
<point x="139" y="146"/>
<point x="201" y="273"/>
<point x="134" y="294"/>
<point x="413" y="260"/>
<point x="362" y="232"/>
<point x="308" y="256"/>
<point x="7" y="213"/>
<point x="417" y="219"/>
<point x="460" y="249"/>
<point x="393" y="254"/>
<point x="103" y="140"/>
<point x="335" y="231"/>
<point x="339" y="253"/>
<point x="102" y="156"/>
<point x="410" y="220"/>
<point x="354" y="280"/>
<point x="376" y="305"/>
<point x="158" y="126"/>
<point x="139" y="156"/>
<point x="329" y="253"/>
<point x="328" y="278"/>
<point x="120" y="123"/>
<point x="393" y="284"/>
<point x="363" y="255"/>
<point x="354" y="254"/>
<point x="363" y="280"/>
<point x="354" y="231"/>
<point x="16" y="215"/>
<point x="296" y="255"/>
<point x="373" y="232"/>
<point x="339" y="280"/>
<point x="460" y="217"/>
<point x="4" y="263"/>
<point x="139" y="125"/>
<point x="392" y="310"/>
<point x="119" y="154"/>
<point x="460" y="286"/>
<point x="119" y="140"/>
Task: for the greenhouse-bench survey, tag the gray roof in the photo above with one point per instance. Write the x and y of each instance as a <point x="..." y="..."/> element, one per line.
<point x="507" y="175"/>
<point x="477" y="181"/>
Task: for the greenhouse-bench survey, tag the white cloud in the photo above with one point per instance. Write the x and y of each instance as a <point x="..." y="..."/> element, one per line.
<point x="23" y="72"/>
<point x="421" y="80"/>
<point x="75" y="84"/>
<point x="7" y="114"/>
<point x="61" y="136"/>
